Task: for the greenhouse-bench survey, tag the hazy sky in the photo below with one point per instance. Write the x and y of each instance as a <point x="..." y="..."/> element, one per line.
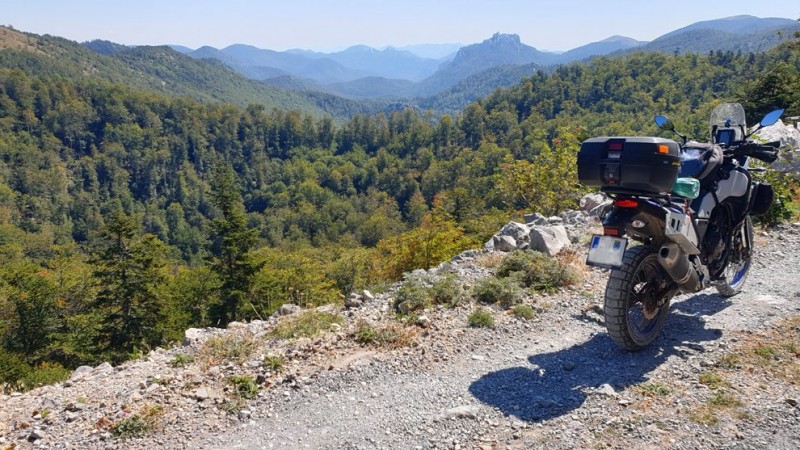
<point x="335" y="24"/>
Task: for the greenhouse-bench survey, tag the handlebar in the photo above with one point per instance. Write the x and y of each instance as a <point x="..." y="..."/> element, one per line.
<point x="767" y="153"/>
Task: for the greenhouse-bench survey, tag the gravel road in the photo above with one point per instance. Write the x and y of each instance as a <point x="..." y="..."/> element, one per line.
<point x="556" y="381"/>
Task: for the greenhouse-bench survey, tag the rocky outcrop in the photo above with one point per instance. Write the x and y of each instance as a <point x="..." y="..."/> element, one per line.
<point x="789" y="137"/>
<point x="548" y="234"/>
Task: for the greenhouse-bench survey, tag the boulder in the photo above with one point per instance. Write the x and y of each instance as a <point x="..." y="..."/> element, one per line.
<point x="81" y="372"/>
<point x="193" y="335"/>
<point x="353" y="301"/>
<point x="591" y="201"/>
<point x="504" y="243"/>
<point x="518" y="231"/>
<point x="788" y="135"/>
<point x="287" y="309"/>
<point x="535" y="219"/>
<point x="549" y="239"/>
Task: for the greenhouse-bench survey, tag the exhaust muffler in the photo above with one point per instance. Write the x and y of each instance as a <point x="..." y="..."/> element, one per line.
<point x="679" y="268"/>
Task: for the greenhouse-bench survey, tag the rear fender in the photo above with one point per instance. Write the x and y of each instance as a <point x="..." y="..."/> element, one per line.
<point x="652" y="217"/>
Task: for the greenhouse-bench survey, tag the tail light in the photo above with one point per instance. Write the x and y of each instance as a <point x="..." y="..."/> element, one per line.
<point x="626" y="203"/>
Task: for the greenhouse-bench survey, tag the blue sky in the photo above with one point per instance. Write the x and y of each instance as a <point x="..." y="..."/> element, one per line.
<point x="336" y="24"/>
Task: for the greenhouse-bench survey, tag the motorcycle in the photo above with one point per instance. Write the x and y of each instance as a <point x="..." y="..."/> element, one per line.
<point x="689" y="208"/>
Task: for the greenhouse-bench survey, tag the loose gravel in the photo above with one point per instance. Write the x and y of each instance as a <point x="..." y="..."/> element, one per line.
<point x="555" y="381"/>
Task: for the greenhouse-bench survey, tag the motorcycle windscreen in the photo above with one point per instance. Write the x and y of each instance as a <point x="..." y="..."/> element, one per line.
<point x="606" y="251"/>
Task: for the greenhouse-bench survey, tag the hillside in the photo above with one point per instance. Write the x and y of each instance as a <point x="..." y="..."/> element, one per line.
<point x="738" y="34"/>
<point x="159" y="69"/>
<point x="369" y="380"/>
<point x="222" y="213"/>
<point x="363" y="72"/>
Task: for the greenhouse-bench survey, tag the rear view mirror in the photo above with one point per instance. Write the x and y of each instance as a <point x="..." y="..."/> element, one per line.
<point x="771" y="118"/>
<point x="664" y="123"/>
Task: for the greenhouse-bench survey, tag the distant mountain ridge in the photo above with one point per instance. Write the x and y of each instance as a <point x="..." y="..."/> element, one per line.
<point x="398" y="73"/>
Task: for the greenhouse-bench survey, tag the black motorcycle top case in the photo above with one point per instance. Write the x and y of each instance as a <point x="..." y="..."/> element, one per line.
<point x="636" y="165"/>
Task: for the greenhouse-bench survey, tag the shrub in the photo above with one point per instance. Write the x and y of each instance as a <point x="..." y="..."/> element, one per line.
<point x="412" y="296"/>
<point x="724" y="400"/>
<point x="653" y="390"/>
<point x="481" y="318"/>
<point x="181" y="359"/>
<point x="503" y="291"/>
<point x="274" y="363"/>
<point x="537" y="270"/>
<point x="713" y="380"/>
<point x="305" y="325"/>
<point x="515" y="262"/>
<point x="139" y="424"/>
<point x="132" y="426"/>
<point x="228" y="347"/>
<point x="447" y="291"/>
<point x="392" y="335"/>
<point x="523" y="312"/>
<point x="244" y="387"/>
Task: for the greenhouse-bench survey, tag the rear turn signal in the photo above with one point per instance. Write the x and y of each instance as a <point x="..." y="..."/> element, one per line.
<point x="626" y="203"/>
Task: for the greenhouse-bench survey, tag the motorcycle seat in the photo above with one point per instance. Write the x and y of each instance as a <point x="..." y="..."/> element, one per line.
<point x="699" y="160"/>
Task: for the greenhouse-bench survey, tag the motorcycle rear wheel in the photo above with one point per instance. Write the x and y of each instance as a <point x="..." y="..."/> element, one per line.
<point x="739" y="266"/>
<point x="639" y="282"/>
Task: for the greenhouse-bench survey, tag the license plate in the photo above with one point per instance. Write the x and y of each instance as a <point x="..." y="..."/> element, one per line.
<point x="606" y="251"/>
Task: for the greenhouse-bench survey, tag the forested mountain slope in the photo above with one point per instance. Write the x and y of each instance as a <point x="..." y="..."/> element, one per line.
<point x="163" y="70"/>
<point x="225" y="212"/>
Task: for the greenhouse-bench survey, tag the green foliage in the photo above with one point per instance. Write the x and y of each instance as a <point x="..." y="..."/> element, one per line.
<point x="653" y="389"/>
<point x="274" y="363"/>
<point x="128" y="270"/>
<point x="503" y="291"/>
<point x="130" y="427"/>
<point x="288" y="277"/>
<point x="438" y="238"/>
<point x="537" y="270"/>
<point x="447" y="290"/>
<point x="228" y="348"/>
<point x="722" y="399"/>
<point x="392" y="335"/>
<point x="231" y="244"/>
<point x="412" y="296"/>
<point x="306" y="324"/>
<point x="202" y="194"/>
<point x="786" y="191"/>
<point x="244" y="386"/>
<point x="481" y="318"/>
<point x="181" y="360"/>
<point x="547" y="183"/>
<point x="138" y="424"/>
<point x="713" y="380"/>
<point x="523" y="312"/>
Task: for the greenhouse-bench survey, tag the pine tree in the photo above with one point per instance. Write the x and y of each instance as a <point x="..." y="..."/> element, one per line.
<point x="231" y="242"/>
<point x="129" y="270"/>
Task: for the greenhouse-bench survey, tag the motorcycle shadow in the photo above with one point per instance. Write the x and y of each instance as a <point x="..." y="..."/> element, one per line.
<point x="558" y="382"/>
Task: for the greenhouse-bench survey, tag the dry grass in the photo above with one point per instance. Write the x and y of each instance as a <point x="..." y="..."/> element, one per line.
<point x="227" y="347"/>
<point x="489" y="260"/>
<point x="392" y="335"/>
<point x="12" y="39"/>
<point x="576" y="259"/>
<point x="306" y="324"/>
<point x="138" y="424"/>
<point x="765" y="362"/>
<point x="776" y="354"/>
